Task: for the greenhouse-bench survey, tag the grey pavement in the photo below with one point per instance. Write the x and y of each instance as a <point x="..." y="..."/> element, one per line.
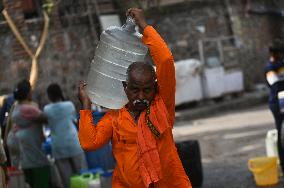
<point x="230" y="133"/>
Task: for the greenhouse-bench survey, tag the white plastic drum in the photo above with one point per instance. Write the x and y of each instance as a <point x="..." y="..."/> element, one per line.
<point x="117" y="49"/>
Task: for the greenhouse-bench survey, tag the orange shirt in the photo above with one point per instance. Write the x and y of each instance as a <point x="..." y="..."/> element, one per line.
<point x="120" y="127"/>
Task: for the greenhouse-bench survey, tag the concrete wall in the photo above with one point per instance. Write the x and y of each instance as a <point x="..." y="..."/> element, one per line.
<point x="71" y="44"/>
<point x="182" y="24"/>
<point x="255" y="32"/>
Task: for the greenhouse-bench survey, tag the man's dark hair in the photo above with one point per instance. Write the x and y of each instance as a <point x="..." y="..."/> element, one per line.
<point x="140" y="66"/>
<point x="22" y="90"/>
<point x="54" y="92"/>
<point x="277" y="45"/>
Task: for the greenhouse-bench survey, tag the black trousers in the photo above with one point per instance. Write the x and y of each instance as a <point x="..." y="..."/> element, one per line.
<point x="278" y="118"/>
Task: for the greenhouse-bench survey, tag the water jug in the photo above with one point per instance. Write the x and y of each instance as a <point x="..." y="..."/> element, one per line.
<point x="117" y="49"/>
<point x="106" y="179"/>
<point x="96" y="183"/>
<point x="271" y="143"/>
<point x="82" y="181"/>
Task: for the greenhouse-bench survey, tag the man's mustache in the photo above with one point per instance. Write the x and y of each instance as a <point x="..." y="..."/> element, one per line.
<point x="138" y="101"/>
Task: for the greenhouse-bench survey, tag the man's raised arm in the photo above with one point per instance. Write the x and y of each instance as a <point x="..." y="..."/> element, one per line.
<point x="162" y="58"/>
<point x="164" y="62"/>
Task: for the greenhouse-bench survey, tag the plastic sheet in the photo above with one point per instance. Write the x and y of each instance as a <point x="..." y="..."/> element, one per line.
<point x="188" y="81"/>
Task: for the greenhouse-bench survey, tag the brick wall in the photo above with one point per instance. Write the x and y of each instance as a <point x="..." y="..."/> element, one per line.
<point x="65" y="58"/>
<point x="70" y="46"/>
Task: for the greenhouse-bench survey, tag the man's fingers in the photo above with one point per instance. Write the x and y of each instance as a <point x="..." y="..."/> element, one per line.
<point x="82" y="84"/>
<point x="129" y="11"/>
<point x="133" y="12"/>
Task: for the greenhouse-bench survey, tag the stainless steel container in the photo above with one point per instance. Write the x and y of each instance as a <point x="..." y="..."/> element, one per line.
<point x="117" y="49"/>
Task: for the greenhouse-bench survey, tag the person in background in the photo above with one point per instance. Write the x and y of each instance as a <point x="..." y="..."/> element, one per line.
<point x="4" y="119"/>
<point x="4" y="111"/>
<point x="28" y="122"/>
<point x="65" y="147"/>
<point x="141" y="131"/>
<point x="275" y="78"/>
<point x="3" y="160"/>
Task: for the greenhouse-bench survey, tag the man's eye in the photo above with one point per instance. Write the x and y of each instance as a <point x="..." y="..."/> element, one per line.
<point x="148" y="90"/>
<point x="134" y="90"/>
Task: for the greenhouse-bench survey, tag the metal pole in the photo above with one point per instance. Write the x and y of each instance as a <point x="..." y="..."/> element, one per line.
<point x="201" y="51"/>
<point x="220" y="50"/>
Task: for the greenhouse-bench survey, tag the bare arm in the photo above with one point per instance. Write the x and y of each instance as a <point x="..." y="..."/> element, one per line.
<point x="83" y="96"/>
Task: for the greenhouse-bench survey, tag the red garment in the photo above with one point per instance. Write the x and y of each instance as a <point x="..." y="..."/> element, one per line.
<point x="120" y="127"/>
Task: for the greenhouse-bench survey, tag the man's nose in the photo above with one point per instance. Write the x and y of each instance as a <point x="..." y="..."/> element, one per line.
<point x="141" y="95"/>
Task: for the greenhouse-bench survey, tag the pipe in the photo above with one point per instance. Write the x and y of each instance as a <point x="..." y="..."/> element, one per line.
<point x="34" y="57"/>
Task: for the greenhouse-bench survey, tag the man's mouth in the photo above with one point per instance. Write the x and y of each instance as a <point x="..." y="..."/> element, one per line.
<point x="141" y="103"/>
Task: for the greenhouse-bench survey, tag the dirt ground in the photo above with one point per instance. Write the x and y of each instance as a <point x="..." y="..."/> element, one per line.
<point x="227" y="142"/>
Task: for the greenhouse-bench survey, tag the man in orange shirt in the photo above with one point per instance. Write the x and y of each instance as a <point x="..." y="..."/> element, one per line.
<point x="141" y="131"/>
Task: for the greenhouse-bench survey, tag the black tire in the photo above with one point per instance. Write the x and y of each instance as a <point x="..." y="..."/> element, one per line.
<point x="190" y="156"/>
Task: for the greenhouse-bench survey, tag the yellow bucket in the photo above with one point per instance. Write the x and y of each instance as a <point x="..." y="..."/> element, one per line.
<point x="264" y="170"/>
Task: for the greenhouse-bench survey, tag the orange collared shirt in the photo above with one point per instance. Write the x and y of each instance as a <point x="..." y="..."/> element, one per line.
<point x="120" y="127"/>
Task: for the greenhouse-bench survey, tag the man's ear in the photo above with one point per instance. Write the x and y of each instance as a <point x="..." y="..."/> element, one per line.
<point x="124" y="83"/>
<point x="156" y="86"/>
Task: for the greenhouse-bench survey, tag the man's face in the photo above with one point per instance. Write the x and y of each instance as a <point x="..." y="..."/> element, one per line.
<point x="274" y="57"/>
<point x="140" y="90"/>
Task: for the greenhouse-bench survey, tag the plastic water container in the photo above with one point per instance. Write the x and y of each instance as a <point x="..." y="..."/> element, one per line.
<point x="271" y="143"/>
<point x="117" y="49"/>
<point x="94" y="171"/>
<point x="264" y="170"/>
<point x="106" y="179"/>
<point x="82" y="181"/>
<point x="96" y="183"/>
